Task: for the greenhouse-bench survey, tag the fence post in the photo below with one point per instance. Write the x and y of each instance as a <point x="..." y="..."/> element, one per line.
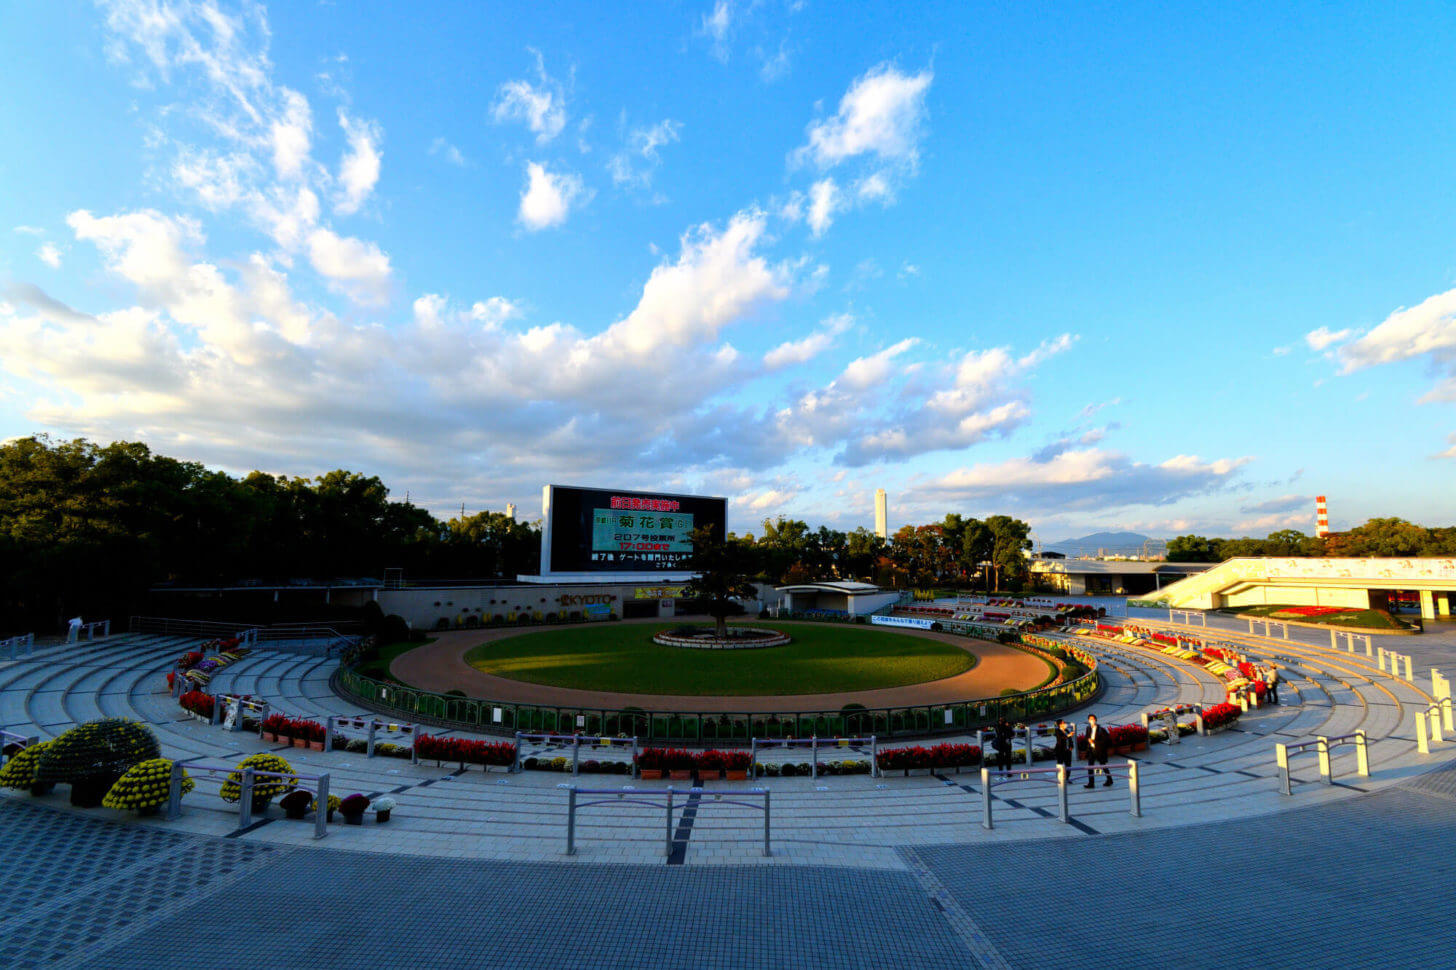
<point x="1446" y="716"/>
<point x="245" y="803"/>
<point x="216" y="709"/>
<point x="329" y="732"/>
<point x="632" y="769"/>
<point x="1136" y="808"/>
<point x="1410" y="674"/>
<point x="1434" y="713"/>
<point x="1062" y="792"/>
<point x="321" y="808"/>
<point x="263" y="716"/>
<point x="1323" y="749"/>
<point x="1028" y="744"/>
<point x="373" y="730"/>
<point x="174" y="792"/>
<point x="875" y="756"/>
<point x="1368" y="648"/>
<point x="667" y="851"/>
<point x="753" y="757"/>
<point x="575" y="754"/>
<point x="571" y="820"/>
<point x="1423" y="744"/>
<point x="1380" y="658"/>
<point x="766" y="849"/>
<point x="516" y="763"/>
<point x="986" y="799"/>
<point x="1362" y="754"/>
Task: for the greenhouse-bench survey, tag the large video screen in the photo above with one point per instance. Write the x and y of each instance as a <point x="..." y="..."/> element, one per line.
<point x="596" y="530"/>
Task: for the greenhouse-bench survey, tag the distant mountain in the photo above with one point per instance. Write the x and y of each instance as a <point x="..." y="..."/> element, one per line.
<point x="1106" y="543"/>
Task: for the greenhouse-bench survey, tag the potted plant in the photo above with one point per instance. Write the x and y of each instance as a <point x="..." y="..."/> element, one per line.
<point x="736" y="764"/>
<point x="680" y="764"/>
<point x="273" y="725"/>
<point x="145" y="787"/>
<point x="650" y="763"/>
<point x="20" y="770"/>
<point x="277" y="781"/>
<point x="710" y="764"/>
<point x="382" y="807"/>
<point x="333" y="806"/>
<point x="93" y="756"/>
<point x="296" y="803"/>
<point x="353" y="808"/>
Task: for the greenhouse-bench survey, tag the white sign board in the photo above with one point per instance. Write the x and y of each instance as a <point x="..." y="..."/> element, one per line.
<point x="910" y="621"/>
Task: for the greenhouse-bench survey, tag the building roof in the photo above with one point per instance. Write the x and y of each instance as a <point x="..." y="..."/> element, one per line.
<point x="1128" y="567"/>
<point x="850" y="588"/>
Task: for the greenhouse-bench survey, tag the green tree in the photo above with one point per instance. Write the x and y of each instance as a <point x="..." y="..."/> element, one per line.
<point x="1010" y="541"/>
<point x="1191" y="548"/>
<point x="723" y="577"/>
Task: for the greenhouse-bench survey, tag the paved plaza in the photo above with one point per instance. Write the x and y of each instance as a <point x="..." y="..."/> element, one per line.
<point x="1221" y="867"/>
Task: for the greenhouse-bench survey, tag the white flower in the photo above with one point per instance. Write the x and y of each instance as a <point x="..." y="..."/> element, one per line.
<point x="382" y="804"/>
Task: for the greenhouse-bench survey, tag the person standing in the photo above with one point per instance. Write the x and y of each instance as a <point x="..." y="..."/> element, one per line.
<point x="1099" y="745"/>
<point x="1271" y="684"/>
<point x="1063" y="743"/>
<point x="1002" y="744"/>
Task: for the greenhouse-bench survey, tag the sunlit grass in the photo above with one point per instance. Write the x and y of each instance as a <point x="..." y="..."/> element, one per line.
<point x="622" y="657"/>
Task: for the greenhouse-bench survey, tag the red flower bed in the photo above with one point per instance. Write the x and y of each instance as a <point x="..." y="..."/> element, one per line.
<point x="1220" y="714"/>
<point x="465" y="751"/>
<point x="1313" y="610"/>
<point x="939" y="756"/>
<point x="189" y="660"/>
<point x="1126" y="735"/>
<point x="666" y="759"/>
<point x="275" y="724"/>
<point x="197" y="702"/>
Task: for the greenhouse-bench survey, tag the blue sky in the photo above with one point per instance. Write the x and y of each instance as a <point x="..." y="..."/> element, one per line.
<point x="1098" y="266"/>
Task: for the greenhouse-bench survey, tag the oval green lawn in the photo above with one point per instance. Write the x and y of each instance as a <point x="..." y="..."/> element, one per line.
<point x="822" y="658"/>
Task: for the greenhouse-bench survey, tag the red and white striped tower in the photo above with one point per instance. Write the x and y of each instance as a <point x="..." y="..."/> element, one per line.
<point x="1321" y="517"/>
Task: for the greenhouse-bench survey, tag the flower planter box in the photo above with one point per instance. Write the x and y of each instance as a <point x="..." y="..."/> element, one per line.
<point x="1122" y="751"/>
<point x="1140" y="746"/>
<point x="736" y="775"/>
<point x="680" y="774"/>
<point x="315" y="745"/>
<point x="299" y="742"/>
<point x="650" y="774"/>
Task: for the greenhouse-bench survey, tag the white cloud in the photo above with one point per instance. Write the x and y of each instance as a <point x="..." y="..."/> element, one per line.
<point x="49" y="255"/>
<point x="864" y="373"/>
<point x="1449" y="452"/>
<point x="824" y="200"/>
<point x="29" y="230"/>
<point x="874" y="187"/>
<point x="802" y="351"/>
<point x="716" y="25"/>
<point x="359" y="168"/>
<point x="355" y="267"/>
<point x="289" y="133"/>
<point x="542" y="106"/>
<point x="547" y="199"/>
<point x="639" y="159"/>
<point x="882" y="114"/>
<point x="447" y="151"/>
<point x="1324" y="337"/>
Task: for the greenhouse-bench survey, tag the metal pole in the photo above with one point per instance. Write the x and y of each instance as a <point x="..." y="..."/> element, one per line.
<point x="753" y="757"/>
<point x="263" y="716"/>
<point x="321" y="810"/>
<point x="986" y="799"/>
<point x="369" y="744"/>
<point x="1323" y="749"/>
<point x="329" y="732"/>
<point x="216" y="710"/>
<point x="668" y="850"/>
<point x="875" y="756"/>
<point x="1446" y="713"/>
<point x="1062" y="793"/>
<point x="632" y="773"/>
<point x="766" y="849"/>
<point x="575" y="754"/>
<point x="516" y="762"/>
<point x="245" y="803"/>
<point x="1362" y="754"/>
<point x="813" y="757"/>
<point x="571" y="821"/>
<point x="1368" y="648"/>
<point x="1136" y="809"/>
<point x="1423" y="744"/>
<point x="1410" y="674"/>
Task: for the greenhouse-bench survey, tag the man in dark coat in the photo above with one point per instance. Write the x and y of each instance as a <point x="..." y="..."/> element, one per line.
<point x="1099" y="745"/>
<point x="1062" y="744"/>
<point x="1002" y="743"/>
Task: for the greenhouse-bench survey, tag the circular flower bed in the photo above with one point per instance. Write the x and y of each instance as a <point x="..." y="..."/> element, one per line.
<point x="705" y="638"/>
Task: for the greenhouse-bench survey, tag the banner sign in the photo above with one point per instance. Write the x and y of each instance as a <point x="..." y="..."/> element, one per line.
<point x="657" y="592"/>
<point x="914" y="623"/>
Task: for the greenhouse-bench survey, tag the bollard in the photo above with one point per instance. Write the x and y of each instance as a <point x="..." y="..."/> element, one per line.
<point x="766" y="849"/>
<point x="668" y="851"/>
<point x="1423" y="744"/>
<point x="1281" y="758"/>
<point x="986" y="799"/>
<point x="1323" y="750"/>
<point x="1198" y="720"/>
<point x="245" y="803"/>
<point x="174" y="792"/>
<point x="1409" y="673"/>
<point x="1368" y="648"/>
<point x="1136" y="808"/>
<point x="1434" y="713"/>
<point x="1380" y="658"/>
<point x="571" y="821"/>
<point x="1445" y="705"/>
<point x="1062" y="793"/>
<point x="1362" y="754"/>
<point x="321" y="808"/>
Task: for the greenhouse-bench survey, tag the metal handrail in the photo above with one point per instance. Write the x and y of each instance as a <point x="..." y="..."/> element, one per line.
<point x="1322" y="746"/>
<point x="626" y="796"/>
<point x="575" y="740"/>
<point x="1063" y="775"/>
<point x="245" y="797"/>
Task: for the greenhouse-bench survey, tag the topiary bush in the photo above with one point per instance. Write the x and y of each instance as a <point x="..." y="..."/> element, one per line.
<point x="20" y="771"/>
<point x="265" y="787"/>
<point x="93" y="756"/>
<point x="144" y="788"/>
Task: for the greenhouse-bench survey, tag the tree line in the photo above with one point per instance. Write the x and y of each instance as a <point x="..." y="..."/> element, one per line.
<point x="1377" y="537"/>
